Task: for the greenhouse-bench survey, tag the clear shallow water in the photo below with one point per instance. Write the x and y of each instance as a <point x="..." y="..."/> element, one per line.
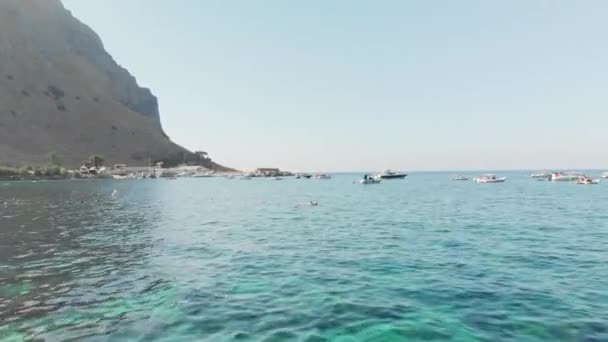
<point x="232" y="260"/>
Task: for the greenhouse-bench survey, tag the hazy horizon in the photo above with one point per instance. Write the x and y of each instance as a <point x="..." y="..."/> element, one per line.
<point x="361" y="85"/>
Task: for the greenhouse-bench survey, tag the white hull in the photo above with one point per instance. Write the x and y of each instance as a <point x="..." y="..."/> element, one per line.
<point x="369" y="181"/>
<point x="459" y="178"/>
<point x="564" y="178"/>
<point x="484" y="181"/>
<point x="589" y="182"/>
<point x="388" y="174"/>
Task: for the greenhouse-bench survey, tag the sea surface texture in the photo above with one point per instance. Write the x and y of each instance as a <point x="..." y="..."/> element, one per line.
<point x="214" y="259"/>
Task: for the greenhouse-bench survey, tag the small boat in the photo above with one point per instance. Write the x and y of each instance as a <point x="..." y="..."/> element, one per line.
<point x="587" y="181"/>
<point x="459" y="178"/>
<point x="489" y="179"/>
<point x="565" y="177"/>
<point x="543" y="175"/>
<point x="277" y="178"/>
<point x="323" y="176"/>
<point x="388" y="174"/>
<point x="605" y="175"/>
<point x="202" y="175"/>
<point x="120" y="177"/>
<point x="306" y="175"/>
<point x="245" y="177"/>
<point x="369" y="181"/>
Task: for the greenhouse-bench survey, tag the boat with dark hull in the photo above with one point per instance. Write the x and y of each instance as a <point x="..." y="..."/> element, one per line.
<point x="388" y="174"/>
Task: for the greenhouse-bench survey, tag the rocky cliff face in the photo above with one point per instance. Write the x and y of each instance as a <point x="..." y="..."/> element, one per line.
<point x="61" y="92"/>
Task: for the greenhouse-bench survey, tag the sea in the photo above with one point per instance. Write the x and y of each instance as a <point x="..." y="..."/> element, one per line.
<point x="217" y="259"/>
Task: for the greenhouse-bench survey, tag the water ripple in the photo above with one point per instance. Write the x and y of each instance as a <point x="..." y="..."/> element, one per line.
<point x="220" y="260"/>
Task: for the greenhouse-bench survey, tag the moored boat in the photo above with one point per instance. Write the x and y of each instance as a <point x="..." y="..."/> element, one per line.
<point x="587" y="181"/>
<point x="202" y="174"/>
<point x="605" y="175"/>
<point x="367" y="179"/>
<point x="459" y="178"/>
<point x="489" y="178"/>
<point x="543" y="175"/>
<point x="565" y="176"/>
<point x="388" y="174"/>
<point x="323" y="176"/>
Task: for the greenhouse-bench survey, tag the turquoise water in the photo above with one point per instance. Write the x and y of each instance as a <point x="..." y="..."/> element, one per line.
<point x="419" y="259"/>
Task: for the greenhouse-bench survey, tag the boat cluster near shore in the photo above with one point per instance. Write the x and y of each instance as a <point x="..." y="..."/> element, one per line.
<point x="121" y="172"/>
<point x="575" y="177"/>
<point x="378" y="178"/>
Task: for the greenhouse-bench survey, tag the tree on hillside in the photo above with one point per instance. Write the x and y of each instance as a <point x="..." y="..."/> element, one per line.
<point x="53" y="159"/>
<point x="96" y="161"/>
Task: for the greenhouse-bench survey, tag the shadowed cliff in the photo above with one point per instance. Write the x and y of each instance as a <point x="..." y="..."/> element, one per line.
<point x="61" y="92"/>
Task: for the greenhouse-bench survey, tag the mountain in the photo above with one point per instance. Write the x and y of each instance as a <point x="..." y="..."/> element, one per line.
<point x="62" y="93"/>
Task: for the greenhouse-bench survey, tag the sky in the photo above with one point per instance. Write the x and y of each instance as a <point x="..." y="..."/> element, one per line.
<point x="337" y="85"/>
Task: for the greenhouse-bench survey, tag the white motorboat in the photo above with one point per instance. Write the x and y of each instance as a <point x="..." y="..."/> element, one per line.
<point x="489" y="179"/>
<point x="369" y="181"/>
<point x="605" y="175"/>
<point x="587" y="181"/>
<point x="202" y="175"/>
<point x="277" y="178"/>
<point x="543" y="175"/>
<point x="388" y="174"/>
<point x="323" y="176"/>
<point x="565" y="177"/>
<point x="459" y="178"/>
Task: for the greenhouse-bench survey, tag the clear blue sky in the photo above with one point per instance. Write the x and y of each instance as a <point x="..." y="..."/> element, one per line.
<point x="368" y="85"/>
